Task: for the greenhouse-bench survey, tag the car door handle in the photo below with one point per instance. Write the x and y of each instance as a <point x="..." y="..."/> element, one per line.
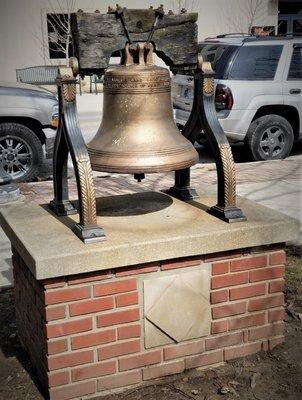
<point x="295" y="91"/>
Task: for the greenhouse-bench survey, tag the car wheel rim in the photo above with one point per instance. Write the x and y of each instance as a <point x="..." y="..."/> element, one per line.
<point x="272" y="142"/>
<point x="16" y="156"/>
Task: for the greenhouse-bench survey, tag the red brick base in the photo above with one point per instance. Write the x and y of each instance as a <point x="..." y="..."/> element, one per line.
<point x="84" y="332"/>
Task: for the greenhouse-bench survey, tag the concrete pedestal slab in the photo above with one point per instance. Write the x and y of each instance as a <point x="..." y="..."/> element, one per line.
<point x="139" y="228"/>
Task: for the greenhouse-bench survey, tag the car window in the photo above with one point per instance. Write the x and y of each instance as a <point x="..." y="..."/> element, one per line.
<point x="256" y="63"/>
<point x="219" y="55"/>
<point x="295" y="69"/>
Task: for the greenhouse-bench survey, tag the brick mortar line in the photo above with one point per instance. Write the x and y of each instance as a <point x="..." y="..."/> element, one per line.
<point x="208" y="366"/>
<point x="123" y="341"/>
<point x="74" y="384"/>
<point x="255" y="297"/>
<point x="231" y="273"/>
<point x="77" y="334"/>
<point x="245" y="314"/>
<point x="244" y="285"/>
<point x="248" y="283"/>
<point x="70" y="368"/>
<point x="92" y="348"/>
<point x="241" y="330"/>
<point x="143" y="352"/>
<point x="231" y="302"/>
<point x="245" y="344"/>
<point x="96" y="314"/>
<point x="92" y="283"/>
<point x="234" y="331"/>
<point x="63" y="288"/>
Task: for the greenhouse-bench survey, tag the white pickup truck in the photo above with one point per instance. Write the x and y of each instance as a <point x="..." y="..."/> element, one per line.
<point x="258" y="91"/>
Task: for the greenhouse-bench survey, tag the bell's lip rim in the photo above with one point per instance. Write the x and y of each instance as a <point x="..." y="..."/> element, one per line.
<point x="143" y="169"/>
<point x="115" y="161"/>
<point x="185" y="148"/>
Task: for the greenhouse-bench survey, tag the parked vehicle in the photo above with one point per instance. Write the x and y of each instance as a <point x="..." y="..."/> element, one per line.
<point x="28" y="122"/>
<point x="258" y="91"/>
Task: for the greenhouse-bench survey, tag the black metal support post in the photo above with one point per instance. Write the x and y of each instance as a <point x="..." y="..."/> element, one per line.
<point x="203" y="117"/>
<point x="69" y="139"/>
<point x="182" y="189"/>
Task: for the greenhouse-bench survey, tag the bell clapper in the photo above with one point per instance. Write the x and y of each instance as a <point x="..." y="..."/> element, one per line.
<point x="139" y="177"/>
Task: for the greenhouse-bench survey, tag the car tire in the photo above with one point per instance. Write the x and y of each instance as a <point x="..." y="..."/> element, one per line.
<point x="21" y="152"/>
<point x="270" y="137"/>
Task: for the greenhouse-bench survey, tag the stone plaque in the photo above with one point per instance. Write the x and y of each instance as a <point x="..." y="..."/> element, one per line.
<point x="177" y="307"/>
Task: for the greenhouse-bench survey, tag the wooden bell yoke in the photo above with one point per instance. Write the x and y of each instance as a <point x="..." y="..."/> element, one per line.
<point x="174" y="38"/>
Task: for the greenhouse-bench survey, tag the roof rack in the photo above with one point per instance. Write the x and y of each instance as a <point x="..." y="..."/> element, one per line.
<point x="268" y="38"/>
<point x="232" y="34"/>
<point x="293" y="34"/>
<point x="246" y="37"/>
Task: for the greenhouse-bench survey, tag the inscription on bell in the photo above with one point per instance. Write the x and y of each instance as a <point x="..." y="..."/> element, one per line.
<point x="119" y="83"/>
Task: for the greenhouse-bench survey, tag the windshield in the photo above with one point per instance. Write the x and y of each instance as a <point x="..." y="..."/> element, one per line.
<point x="219" y="55"/>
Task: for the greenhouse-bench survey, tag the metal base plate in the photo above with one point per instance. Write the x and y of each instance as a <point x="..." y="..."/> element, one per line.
<point x="229" y="215"/>
<point x="185" y="193"/>
<point x="90" y="233"/>
<point x="63" y="208"/>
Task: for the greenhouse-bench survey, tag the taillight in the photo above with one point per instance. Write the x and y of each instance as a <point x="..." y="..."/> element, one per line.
<point x="223" y="98"/>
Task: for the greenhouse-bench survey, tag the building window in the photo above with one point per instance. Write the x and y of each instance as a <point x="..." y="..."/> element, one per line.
<point x="290" y="17"/>
<point x="59" y="37"/>
<point x="290" y="7"/>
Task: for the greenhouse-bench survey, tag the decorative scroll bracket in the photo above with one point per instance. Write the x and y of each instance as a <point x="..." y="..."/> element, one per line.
<point x="203" y="117"/>
<point x="69" y="139"/>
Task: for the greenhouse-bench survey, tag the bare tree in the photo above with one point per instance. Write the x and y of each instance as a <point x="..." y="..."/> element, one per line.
<point x="243" y="15"/>
<point x="59" y="33"/>
<point x="254" y="9"/>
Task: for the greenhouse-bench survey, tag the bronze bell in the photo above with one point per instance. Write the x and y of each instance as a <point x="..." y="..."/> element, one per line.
<point x="138" y="134"/>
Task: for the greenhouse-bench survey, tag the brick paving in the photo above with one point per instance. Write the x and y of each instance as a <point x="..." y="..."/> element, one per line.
<point x="112" y="184"/>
